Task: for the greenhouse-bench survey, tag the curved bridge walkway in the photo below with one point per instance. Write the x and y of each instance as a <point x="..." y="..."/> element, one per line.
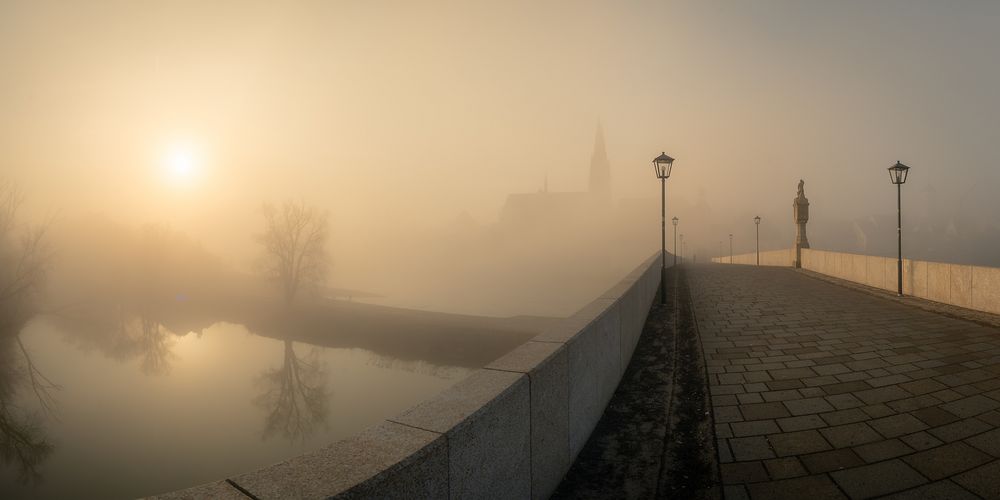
<point x="823" y="391"/>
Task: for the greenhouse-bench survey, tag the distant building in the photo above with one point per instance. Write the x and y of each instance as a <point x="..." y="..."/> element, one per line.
<point x="600" y="170"/>
<point x="544" y="209"/>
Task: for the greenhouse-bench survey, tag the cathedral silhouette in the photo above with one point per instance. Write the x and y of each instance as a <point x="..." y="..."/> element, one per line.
<point x="546" y="210"/>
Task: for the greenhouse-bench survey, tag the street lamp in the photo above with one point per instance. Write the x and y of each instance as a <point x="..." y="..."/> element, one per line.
<point x="897" y="174"/>
<point x="756" y="220"/>
<point x="730" y="248"/>
<point x="675" y="220"/>
<point x="662" y="165"/>
<point x="682" y="248"/>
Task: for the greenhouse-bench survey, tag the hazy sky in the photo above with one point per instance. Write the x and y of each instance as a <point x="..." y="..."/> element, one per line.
<point x="403" y="114"/>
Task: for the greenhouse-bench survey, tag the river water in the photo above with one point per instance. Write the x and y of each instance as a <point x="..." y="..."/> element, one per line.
<point x="148" y="410"/>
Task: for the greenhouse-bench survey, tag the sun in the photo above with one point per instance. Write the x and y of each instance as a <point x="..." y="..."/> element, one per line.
<point x="181" y="164"/>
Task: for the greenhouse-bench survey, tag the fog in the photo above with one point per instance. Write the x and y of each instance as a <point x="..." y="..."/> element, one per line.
<point x="233" y="232"/>
<point x="411" y="123"/>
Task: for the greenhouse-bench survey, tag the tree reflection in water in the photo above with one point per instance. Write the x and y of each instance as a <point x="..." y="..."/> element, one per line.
<point x="23" y="259"/>
<point x="294" y="395"/>
<point x="144" y="337"/>
<point x="120" y="334"/>
<point x="22" y="442"/>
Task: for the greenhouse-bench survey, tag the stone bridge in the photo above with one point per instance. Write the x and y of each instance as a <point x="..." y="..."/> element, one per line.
<point x="751" y="382"/>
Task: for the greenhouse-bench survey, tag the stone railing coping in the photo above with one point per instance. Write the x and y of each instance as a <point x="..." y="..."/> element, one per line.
<point x="784" y="257"/>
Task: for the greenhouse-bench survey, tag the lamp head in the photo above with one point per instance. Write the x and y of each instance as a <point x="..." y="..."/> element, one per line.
<point x="898" y="173"/>
<point x="662" y="165"/>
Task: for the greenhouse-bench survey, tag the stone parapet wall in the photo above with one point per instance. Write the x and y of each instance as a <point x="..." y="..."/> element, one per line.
<point x="971" y="287"/>
<point x="780" y="258"/>
<point x="510" y="430"/>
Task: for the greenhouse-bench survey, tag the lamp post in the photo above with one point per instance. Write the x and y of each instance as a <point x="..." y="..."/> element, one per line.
<point x="730" y="248"/>
<point x="897" y="174"/>
<point x="662" y="165"/>
<point x="675" y="220"/>
<point x="682" y="248"/>
<point x="756" y="221"/>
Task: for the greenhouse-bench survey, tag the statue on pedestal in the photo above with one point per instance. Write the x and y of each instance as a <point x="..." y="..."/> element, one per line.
<point x="800" y="212"/>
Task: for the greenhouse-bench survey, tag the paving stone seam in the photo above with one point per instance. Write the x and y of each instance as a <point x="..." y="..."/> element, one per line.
<point x="836" y="484"/>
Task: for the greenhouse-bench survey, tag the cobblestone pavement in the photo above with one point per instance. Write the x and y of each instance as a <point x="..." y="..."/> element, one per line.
<point x="821" y="391"/>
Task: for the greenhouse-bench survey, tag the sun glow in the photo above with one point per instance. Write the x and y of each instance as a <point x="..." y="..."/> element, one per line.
<point x="181" y="163"/>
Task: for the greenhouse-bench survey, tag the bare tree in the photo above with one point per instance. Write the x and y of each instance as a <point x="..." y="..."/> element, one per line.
<point x="23" y="258"/>
<point x="294" y="241"/>
<point x="23" y="263"/>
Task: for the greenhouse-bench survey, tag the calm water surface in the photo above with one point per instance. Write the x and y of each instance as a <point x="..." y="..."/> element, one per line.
<point x="165" y="411"/>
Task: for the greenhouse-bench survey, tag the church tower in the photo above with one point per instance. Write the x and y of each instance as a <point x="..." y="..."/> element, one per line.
<point x="600" y="169"/>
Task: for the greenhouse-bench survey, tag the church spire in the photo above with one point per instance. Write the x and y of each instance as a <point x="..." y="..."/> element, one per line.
<point x="600" y="168"/>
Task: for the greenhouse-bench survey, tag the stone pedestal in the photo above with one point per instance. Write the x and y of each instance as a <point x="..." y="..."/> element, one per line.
<point x="800" y="212"/>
